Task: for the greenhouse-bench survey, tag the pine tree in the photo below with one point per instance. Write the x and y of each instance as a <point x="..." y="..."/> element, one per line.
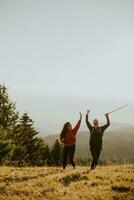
<point x="56" y="153"/>
<point x="30" y="149"/>
<point x="19" y="141"/>
<point x="25" y="131"/>
<point x="6" y="151"/>
<point x="8" y="121"/>
<point x="8" y="114"/>
<point x="48" y="156"/>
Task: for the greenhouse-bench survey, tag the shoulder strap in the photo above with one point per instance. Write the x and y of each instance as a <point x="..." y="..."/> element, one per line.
<point x="100" y="130"/>
<point x="92" y="131"/>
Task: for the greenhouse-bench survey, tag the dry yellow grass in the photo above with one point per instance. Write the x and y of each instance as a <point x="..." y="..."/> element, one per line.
<point x="107" y="182"/>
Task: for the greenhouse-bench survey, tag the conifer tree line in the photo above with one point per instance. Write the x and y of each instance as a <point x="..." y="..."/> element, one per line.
<point x="20" y="143"/>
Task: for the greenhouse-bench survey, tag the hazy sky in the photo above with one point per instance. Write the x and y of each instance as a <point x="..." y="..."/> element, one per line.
<point x="73" y="48"/>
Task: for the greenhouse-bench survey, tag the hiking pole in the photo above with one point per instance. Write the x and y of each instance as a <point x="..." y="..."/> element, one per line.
<point x="118" y="109"/>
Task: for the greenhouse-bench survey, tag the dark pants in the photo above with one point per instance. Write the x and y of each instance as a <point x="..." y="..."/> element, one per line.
<point x="68" y="151"/>
<point x="95" y="151"/>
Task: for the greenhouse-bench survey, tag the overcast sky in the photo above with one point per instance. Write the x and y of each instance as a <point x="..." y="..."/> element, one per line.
<point x="67" y="48"/>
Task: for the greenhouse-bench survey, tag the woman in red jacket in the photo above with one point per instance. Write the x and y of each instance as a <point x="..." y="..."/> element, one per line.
<point x="68" y="137"/>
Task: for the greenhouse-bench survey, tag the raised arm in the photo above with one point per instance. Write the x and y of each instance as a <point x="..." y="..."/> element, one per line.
<point x="77" y="126"/>
<point x="87" y="121"/>
<point x="108" y="120"/>
<point x="103" y="128"/>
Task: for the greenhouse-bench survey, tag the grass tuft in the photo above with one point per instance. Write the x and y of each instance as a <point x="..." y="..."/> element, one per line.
<point x="66" y="180"/>
<point x="121" y="188"/>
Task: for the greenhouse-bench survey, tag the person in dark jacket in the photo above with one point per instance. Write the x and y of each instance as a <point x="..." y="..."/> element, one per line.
<point x="96" y="134"/>
<point x="68" y="138"/>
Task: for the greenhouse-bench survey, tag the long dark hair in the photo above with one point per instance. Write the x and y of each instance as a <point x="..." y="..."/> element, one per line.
<point x="64" y="130"/>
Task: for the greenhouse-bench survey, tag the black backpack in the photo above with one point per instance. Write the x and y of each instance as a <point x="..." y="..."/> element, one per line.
<point x="96" y="137"/>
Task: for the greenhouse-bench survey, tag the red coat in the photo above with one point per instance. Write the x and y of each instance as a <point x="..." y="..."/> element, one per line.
<point x="71" y="135"/>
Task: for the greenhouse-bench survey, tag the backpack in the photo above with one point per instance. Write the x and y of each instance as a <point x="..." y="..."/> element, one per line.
<point x="96" y="137"/>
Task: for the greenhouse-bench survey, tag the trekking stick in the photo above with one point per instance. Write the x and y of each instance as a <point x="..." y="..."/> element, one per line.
<point x="118" y="109"/>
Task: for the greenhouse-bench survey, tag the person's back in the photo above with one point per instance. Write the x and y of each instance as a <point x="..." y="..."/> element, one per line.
<point x="68" y="138"/>
<point x="96" y="134"/>
<point x="96" y="137"/>
<point x="71" y="135"/>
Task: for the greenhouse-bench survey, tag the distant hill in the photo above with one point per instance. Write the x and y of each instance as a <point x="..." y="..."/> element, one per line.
<point x="117" y="144"/>
<point x="114" y="127"/>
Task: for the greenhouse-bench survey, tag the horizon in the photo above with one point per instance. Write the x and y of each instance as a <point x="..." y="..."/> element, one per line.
<point x="50" y="114"/>
<point x="112" y="129"/>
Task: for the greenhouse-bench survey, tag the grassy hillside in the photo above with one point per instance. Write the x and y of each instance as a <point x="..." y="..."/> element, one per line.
<point x="116" y="144"/>
<point x="107" y="183"/>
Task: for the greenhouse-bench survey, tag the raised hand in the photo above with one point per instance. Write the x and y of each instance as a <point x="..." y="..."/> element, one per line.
<point x="80" y="115"/>
<point x="106" y="114"/>
<point x="88" y="111"/>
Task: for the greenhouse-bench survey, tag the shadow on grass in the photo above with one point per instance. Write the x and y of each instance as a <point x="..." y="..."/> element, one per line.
<point x="121" y="188"/>
<point x="66" y="180"/>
